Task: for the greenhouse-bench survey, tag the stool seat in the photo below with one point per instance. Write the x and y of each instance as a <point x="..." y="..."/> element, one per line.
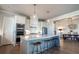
<point x="47" y="43"/>
<point x="46" y="40"/>
<point x="37" y="43"/>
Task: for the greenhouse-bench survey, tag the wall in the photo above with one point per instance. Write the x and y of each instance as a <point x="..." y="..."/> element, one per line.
<point x="63" y="22"/>
<point x="1" y="24"/>
<point x="64" y="25"/>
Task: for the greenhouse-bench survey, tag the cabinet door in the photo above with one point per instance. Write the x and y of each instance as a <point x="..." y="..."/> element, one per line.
<point x="8" y="30"/>
<point x="20" y="19"/>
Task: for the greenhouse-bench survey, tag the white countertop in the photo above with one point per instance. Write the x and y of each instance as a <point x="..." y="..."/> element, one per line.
<point x="34" y="38"/>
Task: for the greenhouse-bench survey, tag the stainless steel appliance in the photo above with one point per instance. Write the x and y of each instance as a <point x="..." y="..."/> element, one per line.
<point x="19" y="32"/>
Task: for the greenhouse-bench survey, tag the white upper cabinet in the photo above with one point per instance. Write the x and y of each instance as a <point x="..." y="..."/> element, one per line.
<point x="20" y="19"/>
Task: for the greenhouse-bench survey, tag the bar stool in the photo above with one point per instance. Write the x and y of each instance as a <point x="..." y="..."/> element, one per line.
<point x="73" y="37"/>
<point x="77" y="38"/>
<point x="55" y="41"/>
<point x="52" y="42"/>
<point x="36" y="44"/>
<point x="47" y="43"/>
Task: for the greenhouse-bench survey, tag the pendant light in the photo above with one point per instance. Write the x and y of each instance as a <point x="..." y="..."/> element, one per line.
<point x="34" y="21"/>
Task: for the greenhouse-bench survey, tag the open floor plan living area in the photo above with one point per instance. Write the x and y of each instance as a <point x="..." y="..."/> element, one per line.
<point x="39" y="28"/>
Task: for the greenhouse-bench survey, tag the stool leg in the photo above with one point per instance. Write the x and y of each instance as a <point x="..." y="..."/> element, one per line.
<point x="47" y="45"/>
<point x="33" y="50"/>
<point x="36" y="49"/>
<point x="44" y="45"/>
<point x="40" y="49"/>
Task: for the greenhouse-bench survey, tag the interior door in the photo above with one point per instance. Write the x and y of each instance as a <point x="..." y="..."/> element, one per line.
<point x="8" y="31"/>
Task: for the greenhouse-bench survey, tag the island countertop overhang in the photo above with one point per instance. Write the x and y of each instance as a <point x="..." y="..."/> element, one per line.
<point x="27" y="38"/>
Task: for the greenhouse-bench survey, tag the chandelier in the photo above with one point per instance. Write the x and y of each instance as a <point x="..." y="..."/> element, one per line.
<point x="72" y="25"/>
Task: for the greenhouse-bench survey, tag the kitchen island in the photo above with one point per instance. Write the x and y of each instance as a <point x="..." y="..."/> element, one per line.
<point x="46" y="42"/>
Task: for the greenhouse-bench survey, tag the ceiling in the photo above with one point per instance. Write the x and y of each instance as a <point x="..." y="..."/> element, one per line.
<point x="44" y="11"/>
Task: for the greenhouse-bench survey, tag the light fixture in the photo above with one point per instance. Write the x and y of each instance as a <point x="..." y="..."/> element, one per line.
<point x="48" y="20"/>
<point x="60" y="29"/>
<point x="34" y="15"/>
<point x="34" y="21"/>
<point x="72" y="25"/>
<point x="27" y="32"/>
<point x="34" y="8"/>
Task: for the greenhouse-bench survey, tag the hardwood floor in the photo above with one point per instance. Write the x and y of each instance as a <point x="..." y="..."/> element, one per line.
<point x="66" y="47"/>
<point x="9" y="49"/>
